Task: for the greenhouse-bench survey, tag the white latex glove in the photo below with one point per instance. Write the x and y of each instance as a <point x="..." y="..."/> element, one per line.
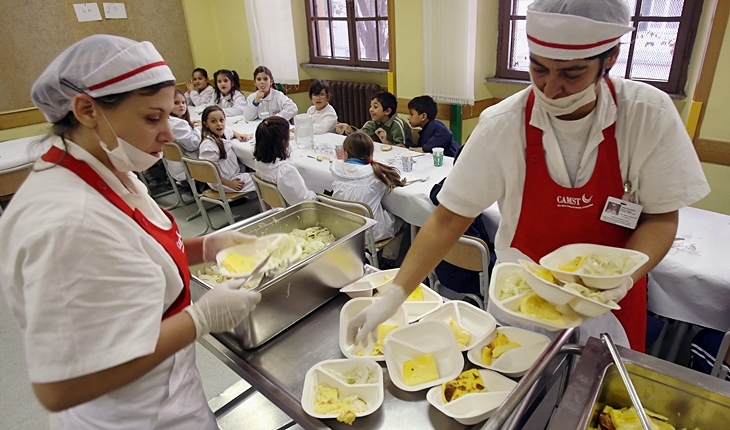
<point x="618" y="293"/>
<point x="222" y="308"/>
<point x="213" y="243"/>
<point x="368" y="320"/>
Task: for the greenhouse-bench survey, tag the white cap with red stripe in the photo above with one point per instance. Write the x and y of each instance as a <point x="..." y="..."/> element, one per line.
<point x="575" y="29"/>
<point x="98" y="65"/>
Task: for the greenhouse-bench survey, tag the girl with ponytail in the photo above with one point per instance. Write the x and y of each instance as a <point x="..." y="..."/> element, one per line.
<point x="216" y="147"/>
<point x="228" y="92"/>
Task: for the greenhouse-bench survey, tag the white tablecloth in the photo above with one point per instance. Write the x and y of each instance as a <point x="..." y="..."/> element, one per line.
<point x="16" y="152"/>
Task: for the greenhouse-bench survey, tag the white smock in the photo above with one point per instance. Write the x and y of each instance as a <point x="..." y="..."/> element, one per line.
<point x="654" y="151"/>
<point x="276" y="103"/>
<point x="358" y="182"/>
<point x="287" y="179"/>
<point x="88" y="287"/>
<point x="200" y="98"/>
<point x="323" y="120"/>
<point x="228" y="167"/>
<point x="233" y="104"/>
<point x="189" y="138"/>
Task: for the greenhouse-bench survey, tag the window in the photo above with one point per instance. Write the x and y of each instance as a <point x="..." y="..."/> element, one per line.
<point x="348" y="32"/>
<point x="656" y="52"/>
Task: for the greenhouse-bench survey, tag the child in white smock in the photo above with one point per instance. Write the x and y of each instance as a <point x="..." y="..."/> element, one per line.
<point x="200" y="92"/>
<point x="228" y="93"/>
<point x="267" y="100"/>
<point x="216" y="148"/>
<point x="324" y="117"/>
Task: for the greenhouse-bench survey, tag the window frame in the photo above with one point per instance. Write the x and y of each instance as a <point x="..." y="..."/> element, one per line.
<point x="686" y="33"/>
<point x="351" y="19"/>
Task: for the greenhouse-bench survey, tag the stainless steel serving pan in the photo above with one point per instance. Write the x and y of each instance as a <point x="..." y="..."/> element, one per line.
<point x="308" y="284"/>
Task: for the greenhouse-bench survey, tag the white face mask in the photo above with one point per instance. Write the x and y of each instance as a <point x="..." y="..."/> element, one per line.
<point x="126" y="157"/>
<point x="565" y="105"/>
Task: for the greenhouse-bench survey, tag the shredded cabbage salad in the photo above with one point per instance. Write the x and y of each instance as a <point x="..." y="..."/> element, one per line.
<point x="360" y="375"/>
<point x="606" y="264"/>
<point x="312" y="239"/>
<point x="512" y="285"/>
<point x="585" y="292"/>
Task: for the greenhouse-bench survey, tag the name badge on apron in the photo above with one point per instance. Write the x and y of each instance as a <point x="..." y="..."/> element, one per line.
<point x="624" y="212"/>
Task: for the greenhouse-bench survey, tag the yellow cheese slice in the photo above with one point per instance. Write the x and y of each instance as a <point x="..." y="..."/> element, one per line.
<point x="237" y="263"/>
<point x="572" y="265"/>
<point x="535" y="306"/>
<point x="467" y="382"/>
<point x="497" y="347"/>
<point x="416" y="295"/>
<point x="383" y="330"/>
<point x="420" y="370"/>
<point x="462" y="336"/>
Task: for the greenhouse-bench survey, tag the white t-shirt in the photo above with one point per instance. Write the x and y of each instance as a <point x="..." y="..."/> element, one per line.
<point x="88" y="287"/>
<point x="655" y="154"/>
<point x="324" y="120"/>
<point x="572" y="138"/>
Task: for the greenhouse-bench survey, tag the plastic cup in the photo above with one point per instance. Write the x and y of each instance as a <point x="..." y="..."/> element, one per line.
<point x="407" y="163"/>
<point x="339" y="151"/>
<point x="264" y="115"/>
<point x="438" y="157"/>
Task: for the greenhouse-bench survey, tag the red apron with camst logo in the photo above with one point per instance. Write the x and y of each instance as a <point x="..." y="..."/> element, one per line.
<point x="552" y="215"/>
<point x="169" y="239"/>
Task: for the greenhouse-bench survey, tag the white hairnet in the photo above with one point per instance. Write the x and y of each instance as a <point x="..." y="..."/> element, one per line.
<point x="98" y="65"/>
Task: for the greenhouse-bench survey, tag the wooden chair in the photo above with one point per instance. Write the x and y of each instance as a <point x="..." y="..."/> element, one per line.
<point x="11" y="179"/>
<point x="207" y="171"/>
<point x="360" y="208"/>
<point x="470" y="253"/>
<point x="268" y="194"/>
<point x="173" y="151"/>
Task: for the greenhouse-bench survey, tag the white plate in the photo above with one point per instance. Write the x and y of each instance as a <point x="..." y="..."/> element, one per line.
<point x="368" y="284"/>
<point x="477" y="322"/>
<point x="553" y="293"/>
<point x="371" y="393"/>
<point x="407" y="343"/>
<point x="567" y="253"/>
<point x="258" y="249"/>
<point x="348" y="312"/>
<point x="515" y="362"/>
<point x="511" y="305"/>
<point x="475" y="407"/>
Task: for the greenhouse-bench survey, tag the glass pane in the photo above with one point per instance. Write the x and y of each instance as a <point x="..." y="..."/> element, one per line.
<point x="341" y="35"/>
<point x="384" y="49"/>
<point x="364" y="8"/>
<point x="320" y="8"/>
<point x="654" y="50"/>
<point x="322" y="38"/>
<point x="519" y="53"/>
<point x="519" y="7"/>
<point x="632" y="6"/>
<point x="383" y="8"/>
<point x="339" y="9"/>
<point x="619" y="69"/>
<point x="668" y="8"/>
<point x="367" y="40"/>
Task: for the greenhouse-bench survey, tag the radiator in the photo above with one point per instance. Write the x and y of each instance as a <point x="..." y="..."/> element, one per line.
<point x="351" y="101"/>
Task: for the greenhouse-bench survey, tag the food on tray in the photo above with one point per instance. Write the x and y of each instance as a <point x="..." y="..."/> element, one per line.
<point x="312" y="239"/>
<point x="386" y="148"/>
<point x="462" y="336"/>
<point x="386" y="278"/>
<point x="416" y="295"/>
<point x="585" y="292"/>
<point x="627" y="419"/>
<point x="383" y="330"/>
<point x="600" y="264"/>
<point x="327" y="401"/>
<point x="362" y="374"/>
<point x="282" y="252"/>
<point x="497" y="347"/>
<point x="212" y="276"/>
<point x="535" y="306"/>
<point x="540" y="271"/>
<point x="420" y="370"/>
<point x="512" y="285"/>
<point x="237" y="263"/>
<point x="324" y="158"/>
<point x="467" y="382"/>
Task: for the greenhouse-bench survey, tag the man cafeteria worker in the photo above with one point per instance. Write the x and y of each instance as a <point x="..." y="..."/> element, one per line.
<point x="555" y="153"/>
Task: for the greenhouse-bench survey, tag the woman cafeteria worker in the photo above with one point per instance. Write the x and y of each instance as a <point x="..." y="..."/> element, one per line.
<point x="554" y="154"/>
<point x="95" y="273"/>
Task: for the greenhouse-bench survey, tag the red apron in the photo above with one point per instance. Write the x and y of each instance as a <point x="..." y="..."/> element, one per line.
<point x="552" y="215"/>
<point x="169" y="239"/>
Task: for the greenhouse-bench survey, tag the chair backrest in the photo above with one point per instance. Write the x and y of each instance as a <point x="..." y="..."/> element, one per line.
<point x="470" y="253"/>
<point x="358" y="208"/>
<point x="173" y="151"/>
<point x="11" y="179"/>
<point x="269" y="193"/>
<point x="202" y="170"/>
<point x="722" y="354"/>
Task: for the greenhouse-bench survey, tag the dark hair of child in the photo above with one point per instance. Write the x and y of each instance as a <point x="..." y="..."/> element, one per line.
<point x="264" y="69"/>
<point x="207" y="134"/>
<point x="186" y="115"/>
<point x="424" y="104"/>
<point x="317" y="86"/>
<point x="387" y="101"/>
<point x="235" y="83"/>
<point x="202" y="71"/>
<point x="360" y="146"/>
<point x="272" y="139"/>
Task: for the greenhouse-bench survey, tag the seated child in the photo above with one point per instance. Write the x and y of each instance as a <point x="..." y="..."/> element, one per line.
<point x="455" y="278"/>
<point x="384" y="126"/>
<point x="704" y="348"/>
<point x="268" y="99"/>
<point x="184" y="132"/>
<point x="324" y="117"/>
<point x="200" y="92"/>
<point x="272" y="160"/>
<point x="361" y="179"/>
<point x="216" y="148"/>
<point x="433" y="134"/>
<point x="228" y="93"/>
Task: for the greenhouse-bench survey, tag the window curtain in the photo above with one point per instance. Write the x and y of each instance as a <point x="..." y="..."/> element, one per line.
<point x="271" y="30"/>
<point x="449" y="48"/>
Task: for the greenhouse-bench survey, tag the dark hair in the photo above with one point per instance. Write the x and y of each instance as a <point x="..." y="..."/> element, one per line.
<point x="264" y="69"/>
<point x="424" y="104"/>
<point x="202" y="72"/>
<point x="458" y="152"/>
<point x="317" y="86"/>
<point x="235" y="84"/>
<point x="272" y="139"/>
<point x="186" y="115"/>
<point x="360" y="146"/>
<point x="603" y="56"/>
<point x="207" y="134"/>
<point x="387" y="101"/>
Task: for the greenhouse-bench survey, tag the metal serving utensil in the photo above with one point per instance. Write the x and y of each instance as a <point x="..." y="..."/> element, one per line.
<point x="257" y="270"/>
<point x="643" y="418"/>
